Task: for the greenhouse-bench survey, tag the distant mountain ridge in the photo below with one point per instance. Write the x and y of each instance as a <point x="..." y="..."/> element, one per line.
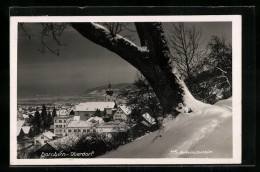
<point x="113" y="86"/>
<point x="92" y="94"/>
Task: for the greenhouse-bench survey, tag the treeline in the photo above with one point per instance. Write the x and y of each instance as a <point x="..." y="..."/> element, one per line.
<point x="42" y="121"/>
<point x="214" y="82"/>
<point x="206" y="67"/>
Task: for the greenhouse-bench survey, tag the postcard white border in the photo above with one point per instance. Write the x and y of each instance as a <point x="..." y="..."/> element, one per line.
<point x="237" y="93"/>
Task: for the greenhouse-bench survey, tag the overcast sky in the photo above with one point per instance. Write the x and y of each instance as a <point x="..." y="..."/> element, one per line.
<point x="81" y="63"/>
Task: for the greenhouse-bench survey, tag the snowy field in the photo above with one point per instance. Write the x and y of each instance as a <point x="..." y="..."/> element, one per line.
<point x="204" y="133"/>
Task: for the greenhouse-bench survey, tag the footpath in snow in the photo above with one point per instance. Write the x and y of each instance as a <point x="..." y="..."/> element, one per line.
<point x="204" y="133"/>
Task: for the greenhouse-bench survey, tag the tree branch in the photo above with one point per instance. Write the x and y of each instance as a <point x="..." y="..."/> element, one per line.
<point x="117" y="44"/>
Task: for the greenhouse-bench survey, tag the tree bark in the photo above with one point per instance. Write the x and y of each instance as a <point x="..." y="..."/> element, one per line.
<point x="154" y="63"/>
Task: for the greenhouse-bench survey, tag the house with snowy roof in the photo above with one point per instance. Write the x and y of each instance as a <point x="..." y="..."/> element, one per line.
<point x="78" y="127"/>
<point x="62" y="112"/>
<point x="27" y="130"/>
<point x="19" y="116"/>
<point x="111" y="127"/>
<point x="88" y="109"/>
<point x="23" y="130"/>
<point x="26" y="118"/>
<point x="63" y="144"/>
<point x="96" y="120"/>
<point x="148" y="120"/>
<point x="20" y="133"/>
<point x="122" y="113"/>
<point x="44" y="138"/>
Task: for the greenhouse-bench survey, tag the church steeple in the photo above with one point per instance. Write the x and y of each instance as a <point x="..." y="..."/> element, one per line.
<point x="109" y="91"/>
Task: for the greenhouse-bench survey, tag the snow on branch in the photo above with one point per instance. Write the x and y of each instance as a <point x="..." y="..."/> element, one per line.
<point x="115" y="43"/>
<point x="117" y="37"/>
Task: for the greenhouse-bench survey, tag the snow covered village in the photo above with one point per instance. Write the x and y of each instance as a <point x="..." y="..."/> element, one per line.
<point x="125" y="90"/>
<point x="67" y="124"/>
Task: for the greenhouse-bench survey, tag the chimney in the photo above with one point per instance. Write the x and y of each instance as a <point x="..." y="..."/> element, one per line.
<point x="76" y="118"/>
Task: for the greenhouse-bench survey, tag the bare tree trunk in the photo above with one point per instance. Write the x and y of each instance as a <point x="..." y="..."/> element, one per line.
<point x="153" y="63"/>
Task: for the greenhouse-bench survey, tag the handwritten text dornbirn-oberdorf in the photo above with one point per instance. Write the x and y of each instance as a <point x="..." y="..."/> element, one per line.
<point x="63" y="154"/>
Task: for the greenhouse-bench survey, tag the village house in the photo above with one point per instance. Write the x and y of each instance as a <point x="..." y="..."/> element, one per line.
<point x="44" y="138"/>
<point x="96" y="120"/>
<point x="148" y="120"/>
<point x="32" y="113"/>
<point x="27" y="130"/>
<point x="63" y="144"/>
<point x="22" y="130"/>
<point x="19" y="116"/>
<point x="60" y="124"/>
<point x="62" y="112"/>
<point x="20" y="109"/>
<point x="88" y="109"/>
<point x="78" y="127"/>
<point x="26" y="118"/>
<point x="93" y="125"/>
<point x="122" y="113"/>
<point x="111" y="127"/>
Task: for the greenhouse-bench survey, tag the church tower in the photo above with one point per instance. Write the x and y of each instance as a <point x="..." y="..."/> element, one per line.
<point x="109" y="94"/>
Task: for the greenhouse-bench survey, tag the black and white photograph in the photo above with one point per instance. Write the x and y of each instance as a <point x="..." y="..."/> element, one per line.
<point x="125" y="90"/>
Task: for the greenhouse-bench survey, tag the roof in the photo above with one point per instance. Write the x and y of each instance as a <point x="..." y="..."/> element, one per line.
<point x="51" y="127"/>
<point x="49" y="135"/>
<point x="26" y="129"/>
<point x="62" y="112"/>
<point x="19" y="126"/>
<point x="96" y="119"/>
<point x="76" y="124"/>
<point x="125" y="109"/>
<point x="31" y="113"/>
<point x="19" y="114"/>
<point x="149" y="118"/>
<point x="25" y="116"/>
<point x="93" y="106"/>
<point x="111" y="125"/>
<point x="64" y="143"/>
<point x="63" y="117"/>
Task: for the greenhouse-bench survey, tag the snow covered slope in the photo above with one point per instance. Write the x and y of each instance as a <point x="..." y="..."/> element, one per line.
<point x="207" y="132"/>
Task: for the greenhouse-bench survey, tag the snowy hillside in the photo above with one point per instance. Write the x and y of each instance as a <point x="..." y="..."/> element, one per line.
<point x="207" y="132"/>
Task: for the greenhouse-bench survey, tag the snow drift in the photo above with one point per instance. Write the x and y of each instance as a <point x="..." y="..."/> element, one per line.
<point x="204" y="133"/>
